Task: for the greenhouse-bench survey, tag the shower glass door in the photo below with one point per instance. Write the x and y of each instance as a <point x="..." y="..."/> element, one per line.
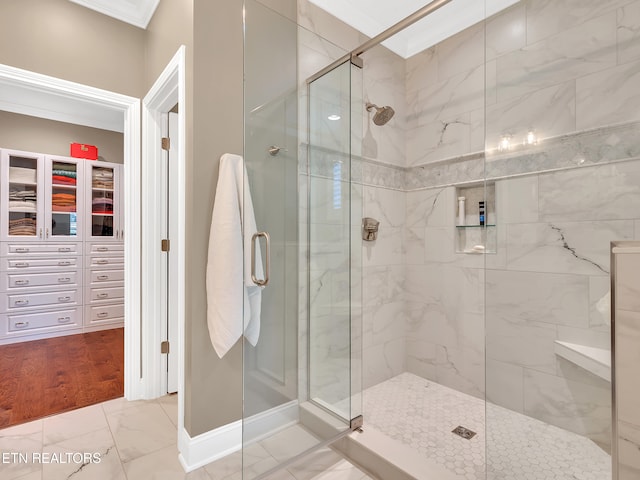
<point x="298" y="372"/>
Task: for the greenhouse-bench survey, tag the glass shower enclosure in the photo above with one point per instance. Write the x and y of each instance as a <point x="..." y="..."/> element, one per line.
<point x="302" y="377"/>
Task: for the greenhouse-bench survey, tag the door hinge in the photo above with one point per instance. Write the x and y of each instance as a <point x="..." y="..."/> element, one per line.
<point x="357" y="423"/>
<point x="166" y="245"/>
<point x="166" y="143"/>
<point x="164" y="347"/>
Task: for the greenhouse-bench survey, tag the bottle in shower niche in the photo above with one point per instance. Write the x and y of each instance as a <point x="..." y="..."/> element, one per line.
<point x="461" y="211"/>
<point x="481" y="213"/>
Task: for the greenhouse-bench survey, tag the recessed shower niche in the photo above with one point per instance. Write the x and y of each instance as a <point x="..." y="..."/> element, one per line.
<point x="475" y="223"/>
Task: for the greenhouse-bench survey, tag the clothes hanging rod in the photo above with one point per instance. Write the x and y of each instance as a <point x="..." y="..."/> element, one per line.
<point x="354" y="54"/>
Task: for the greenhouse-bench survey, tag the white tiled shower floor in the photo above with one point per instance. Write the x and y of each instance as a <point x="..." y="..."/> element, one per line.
<point x="421" y="414"/>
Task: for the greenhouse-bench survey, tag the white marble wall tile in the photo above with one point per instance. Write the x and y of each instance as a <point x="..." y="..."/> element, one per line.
<point x="549" y="112"/>
<point x="414" y="243"/>
<point x="329" y="201"/>
<point x="585" y="336"/>
<point x="570" y="371"/>
<point x="491" y="82"/>
<point x="604" y="192"/>
<point x="529" y="345"/>
<point x="461" y="93"/>
<point x="627" y="361"/>
<point x="505" y="385"/>
<point x="421" y="70"/>
<point x="517" y="200"/>
<point x="629" y="33"/>
<point x="532" y="298"/>
<point x="421" y="358"/>
<point x="386" y="250"/>
<point x="430" y="208"/>
<point x="576" y="51"/>
<point x="439" y="140"/>
<point x="578" y="248"/>
<point x="618" y="86"/>
<point x="506" y="31"/>
<point x="314" y="19"/>
<point x="629" y="451"/>
<point x="439" y="244"/>
<point x="389" y="323"/>
<point x="382" y="362"/>
<point x="329" y="246"/>
<point x="599" y="303"/>
<point x="423" y="283"/>
<point x="461" y="369"/>
<point x="383" y="284"/>
<point x="461" y="52"/>
<point x="577" y="407"/>
<point x="385" y="205"/>
<point x="477" y="129"/>
<point x="628" y="287"/>
<point x="549" y="17"/>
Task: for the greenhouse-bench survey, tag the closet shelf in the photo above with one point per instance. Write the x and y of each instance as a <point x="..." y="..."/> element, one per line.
<point x="592" y="359"/>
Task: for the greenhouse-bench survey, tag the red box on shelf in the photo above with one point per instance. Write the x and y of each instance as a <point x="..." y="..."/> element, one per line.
<point x="81" y="150"/>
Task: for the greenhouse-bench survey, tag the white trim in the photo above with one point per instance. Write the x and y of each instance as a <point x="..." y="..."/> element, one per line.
<point x="129" y="107"/>
<point x="211" y="446"/>
<point x="167" y="91"/>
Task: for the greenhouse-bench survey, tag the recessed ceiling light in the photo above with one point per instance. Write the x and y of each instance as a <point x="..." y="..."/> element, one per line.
<point x="334" y="117"/>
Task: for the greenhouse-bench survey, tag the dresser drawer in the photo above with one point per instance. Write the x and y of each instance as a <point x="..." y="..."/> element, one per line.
<point x="104" y="248"/>
<point x="49" y="321"/>
<point x="96" y="314"/>
<point x="15" y="281"/>
<point x="19" y="301"/>
<point x="102" y="261"/>
<point x="22" y="264"/>
<point x="101" y="276"/>
<point x="103" y="295"/>
<point x="13" y="248"/>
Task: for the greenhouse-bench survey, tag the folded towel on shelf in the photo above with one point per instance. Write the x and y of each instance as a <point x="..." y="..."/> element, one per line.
<point x="62" y="180"/>
<point x="22" y="175"/>
<point x="64" y="173"/>
<point x="22" y="205"/>
<point x="67" y="167"/>
<point x="233" y="300"/>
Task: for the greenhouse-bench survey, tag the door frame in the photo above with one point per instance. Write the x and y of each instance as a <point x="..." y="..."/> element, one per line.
<point x="168" y="90"/>
<point x="79" y="104"/>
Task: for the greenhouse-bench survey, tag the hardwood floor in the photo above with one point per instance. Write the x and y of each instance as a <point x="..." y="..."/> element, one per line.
<point x="44" y="377"/>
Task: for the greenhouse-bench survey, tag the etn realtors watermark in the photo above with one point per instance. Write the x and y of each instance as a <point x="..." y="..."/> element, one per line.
<point x="78" y="458"/>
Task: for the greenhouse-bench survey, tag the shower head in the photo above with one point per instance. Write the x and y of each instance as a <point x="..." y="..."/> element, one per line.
<point x="382" y="115"/>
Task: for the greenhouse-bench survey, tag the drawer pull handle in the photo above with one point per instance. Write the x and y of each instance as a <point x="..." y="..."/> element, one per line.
<point x="103" y="314"/>
<point x="21" y="324"/>
<point x="103" y="295"/>
<point x="102" y="261"/>
<point x="103" y="277"/>
<point x="64" y="319"/>
<point x="64" y="299"/>
<point x="21" y="265"/>
<point x="103" y="249"/>
<point x="64" y="249"/>
<point x="64" y="280"/>
<point x="64" y="263"/>
<point x="22" y="250"/>
<point x="22" y="282"/>
<point x="20" y="303"/>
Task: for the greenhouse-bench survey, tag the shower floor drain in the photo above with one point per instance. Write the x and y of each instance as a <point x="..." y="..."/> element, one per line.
<point x="464" y="432"/>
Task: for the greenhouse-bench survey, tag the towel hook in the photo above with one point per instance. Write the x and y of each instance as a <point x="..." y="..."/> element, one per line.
<point x="275" y="150"/>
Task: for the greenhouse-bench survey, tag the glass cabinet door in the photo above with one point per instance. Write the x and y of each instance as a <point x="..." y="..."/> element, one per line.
<point x="103" y="201"/>
<point x="23" y="173"/>
<point x="64" y="201"/>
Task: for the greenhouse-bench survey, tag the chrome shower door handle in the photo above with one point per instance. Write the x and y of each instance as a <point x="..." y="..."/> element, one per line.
<point x="267" y="239"/>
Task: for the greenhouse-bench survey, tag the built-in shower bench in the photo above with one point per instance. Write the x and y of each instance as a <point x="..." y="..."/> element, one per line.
<point x="592" y="359"/>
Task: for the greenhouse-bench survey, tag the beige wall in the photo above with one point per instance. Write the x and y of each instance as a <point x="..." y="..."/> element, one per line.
<point x="65" y="40"/>
<point x="215" y="390"/>
<point x="21" y="132"/>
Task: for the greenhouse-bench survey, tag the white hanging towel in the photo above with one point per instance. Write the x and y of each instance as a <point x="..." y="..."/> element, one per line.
<point x="233" y="300"/>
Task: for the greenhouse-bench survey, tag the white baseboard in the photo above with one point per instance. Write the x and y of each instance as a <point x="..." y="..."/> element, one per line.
<point x="195" y="452"/>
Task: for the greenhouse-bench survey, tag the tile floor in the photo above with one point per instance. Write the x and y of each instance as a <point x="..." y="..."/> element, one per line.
<point x="421" y="414"/>
<point x="137" y="441"/>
